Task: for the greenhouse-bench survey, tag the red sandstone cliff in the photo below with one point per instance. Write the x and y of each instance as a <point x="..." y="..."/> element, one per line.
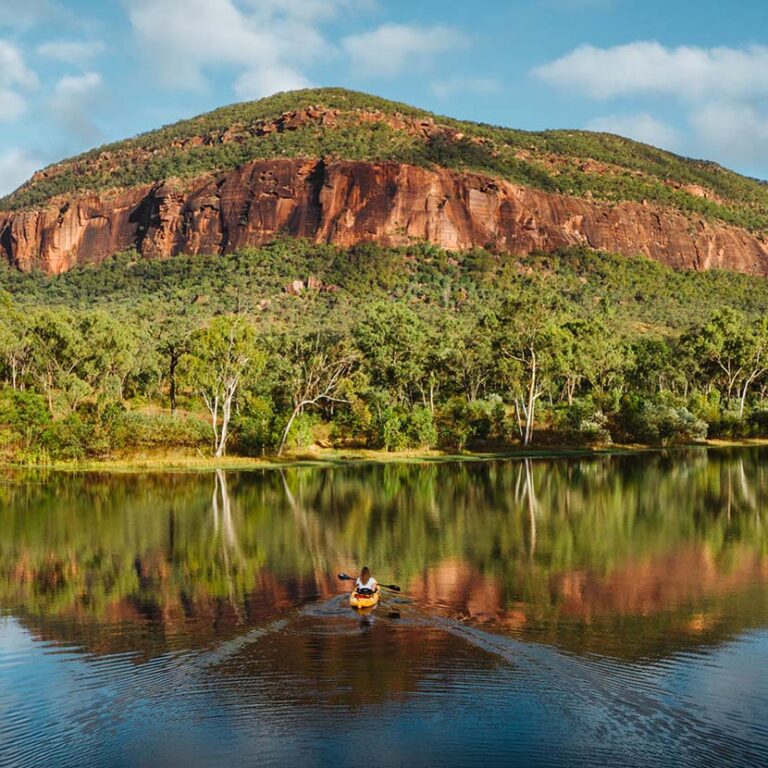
<point x="349" y="202"/>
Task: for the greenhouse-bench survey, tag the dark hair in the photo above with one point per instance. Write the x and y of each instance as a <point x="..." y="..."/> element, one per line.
<point x="365" y="574"/>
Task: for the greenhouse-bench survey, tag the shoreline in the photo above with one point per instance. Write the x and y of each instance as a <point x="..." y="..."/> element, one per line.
<point x="334" y="457"/>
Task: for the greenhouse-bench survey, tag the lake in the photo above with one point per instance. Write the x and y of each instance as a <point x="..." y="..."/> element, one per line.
<point x="607" y="611"/>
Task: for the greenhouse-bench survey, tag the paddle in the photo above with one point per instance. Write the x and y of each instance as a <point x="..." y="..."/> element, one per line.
<point x="393" y="587"/>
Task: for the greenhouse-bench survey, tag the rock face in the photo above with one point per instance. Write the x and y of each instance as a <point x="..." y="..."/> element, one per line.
<point x="350" y="202"/>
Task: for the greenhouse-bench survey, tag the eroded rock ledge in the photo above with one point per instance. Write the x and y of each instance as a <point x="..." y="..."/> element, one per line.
<point x="350" y="202"/>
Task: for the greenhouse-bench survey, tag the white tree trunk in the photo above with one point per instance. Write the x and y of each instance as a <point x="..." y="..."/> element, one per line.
<point x="288" y="426"/>
<point x="529" y="415"/>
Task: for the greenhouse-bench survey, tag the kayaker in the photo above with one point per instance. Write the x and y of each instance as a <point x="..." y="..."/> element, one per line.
<point x="366" y="582"/>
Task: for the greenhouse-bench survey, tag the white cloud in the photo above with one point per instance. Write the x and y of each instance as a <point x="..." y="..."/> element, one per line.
<point x="12" y="106"/>
<point x="184" y="36"/>
<point x="13" y="71"/>
<point x="268" y="44"/>
<point x="14" y="76"/>
<point x="255" y="83"/>
<point x="735" y="133"/>
<point x="16" y="166"/>
<point x="71" y="51"/>
<point x="74" y="99"/>
<point x="649" y="68"/>
<point x="453" y="86"/>
<point x="394" y="48"/>
<point x="641" y="127"/>
<point x="717" y="90"/>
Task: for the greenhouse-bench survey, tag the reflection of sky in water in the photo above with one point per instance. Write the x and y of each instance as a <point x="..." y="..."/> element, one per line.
<point x="485" y="700"/>
<point x="727" y="685"/>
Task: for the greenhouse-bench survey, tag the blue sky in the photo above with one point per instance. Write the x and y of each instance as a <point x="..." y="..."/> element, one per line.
<point x="691" y="77"/>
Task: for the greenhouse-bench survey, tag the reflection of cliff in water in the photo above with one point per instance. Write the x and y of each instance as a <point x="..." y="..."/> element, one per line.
<point x="656" y="605"/>
<point x="578" y="553"/>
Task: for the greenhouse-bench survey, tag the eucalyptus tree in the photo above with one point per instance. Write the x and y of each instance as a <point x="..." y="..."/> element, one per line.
<point x="111" y="354"/>
<point x="317" y="368"/>
<point x="222" y="354"/>
<point x="732" y="353"/>
<point x="656" y="365"/>
<point x="718" y="347"/>
<point x="58" y="349"/>
<point x="755" y="359"/>
<point x="175" y="328"/>
<point x="532" y="348"/>
<point x="470" y="361"/>
<point x="593" y="356"/>
<point x="15" y="341"/>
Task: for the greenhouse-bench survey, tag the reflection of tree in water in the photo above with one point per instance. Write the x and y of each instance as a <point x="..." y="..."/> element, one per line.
<point x="224" y="529"/>
<point x="740" y="495"/>
<point x="319" y="544"/>
<point x="525" y="494"/>
<point x="529" y="545"/>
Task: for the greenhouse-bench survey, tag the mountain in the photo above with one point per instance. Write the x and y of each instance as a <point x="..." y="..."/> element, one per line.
<point x="342" y="167"/>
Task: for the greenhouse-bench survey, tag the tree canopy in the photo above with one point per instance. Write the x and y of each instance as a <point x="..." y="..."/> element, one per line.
<point x="412" y="348"/>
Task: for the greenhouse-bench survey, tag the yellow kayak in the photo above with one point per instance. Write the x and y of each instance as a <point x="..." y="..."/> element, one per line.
<point x="364" y="601"/>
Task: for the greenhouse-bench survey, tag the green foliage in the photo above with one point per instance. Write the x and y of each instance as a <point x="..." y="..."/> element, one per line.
<point x="255" y="428"/>
<point x="583" y="421"/>
<point x="650" y="421"/>
<point x="391" y="428"/>
<point x="478" y="422"/>
<point x="24" y="419"/>
<point x="415" y="349"/>
<point x="758" y="423"/>
<point x="395" y="345"/>
<point x="454" y="425"/>
<point x="302" y="431"/>
<point x="222" y="354"/>
<point x="421" y="428"/>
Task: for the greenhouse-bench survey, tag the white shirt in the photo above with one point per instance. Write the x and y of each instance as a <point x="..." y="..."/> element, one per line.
<point x="370" y="584"/>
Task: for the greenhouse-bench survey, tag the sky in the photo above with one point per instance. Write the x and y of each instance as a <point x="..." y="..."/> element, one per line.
<point x="691" y="77"/>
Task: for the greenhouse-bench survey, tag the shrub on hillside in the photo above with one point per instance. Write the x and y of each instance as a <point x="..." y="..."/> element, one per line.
<point x="460" y="423"/>
<point x="24" y="418"/>
<point x="583" y="422"/>
<point x="255" y="430"/>
<point x="758" y="423"/>
<point x="649" y="421"/>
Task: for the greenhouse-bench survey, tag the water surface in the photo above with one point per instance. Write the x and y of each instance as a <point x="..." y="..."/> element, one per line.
<point x="607" y="611"/>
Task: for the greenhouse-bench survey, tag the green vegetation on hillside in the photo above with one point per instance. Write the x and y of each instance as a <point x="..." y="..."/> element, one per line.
<point x="605" y="166"/>
<point x="384" y="348"/>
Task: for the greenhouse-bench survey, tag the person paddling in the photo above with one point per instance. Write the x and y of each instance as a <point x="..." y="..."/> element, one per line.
<point x="365" y="584"/>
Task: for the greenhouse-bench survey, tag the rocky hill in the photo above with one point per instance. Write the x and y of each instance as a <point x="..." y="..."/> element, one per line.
<point x="336" y="166"/>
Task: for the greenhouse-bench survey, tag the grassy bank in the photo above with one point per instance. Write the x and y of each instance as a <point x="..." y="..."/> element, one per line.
<point x="326" y="457"/>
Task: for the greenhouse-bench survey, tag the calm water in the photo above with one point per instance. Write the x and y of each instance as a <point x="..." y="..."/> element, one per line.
<point x="610" y="612"/>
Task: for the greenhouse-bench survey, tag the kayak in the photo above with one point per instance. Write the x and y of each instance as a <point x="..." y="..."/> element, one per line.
<point x="364" y="601"/>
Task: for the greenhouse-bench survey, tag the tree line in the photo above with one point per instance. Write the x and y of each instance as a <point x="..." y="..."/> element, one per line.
<point x="515" y="367"/>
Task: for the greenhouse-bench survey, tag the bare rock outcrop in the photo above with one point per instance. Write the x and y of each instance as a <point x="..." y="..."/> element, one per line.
<point x="351" y="202"/>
